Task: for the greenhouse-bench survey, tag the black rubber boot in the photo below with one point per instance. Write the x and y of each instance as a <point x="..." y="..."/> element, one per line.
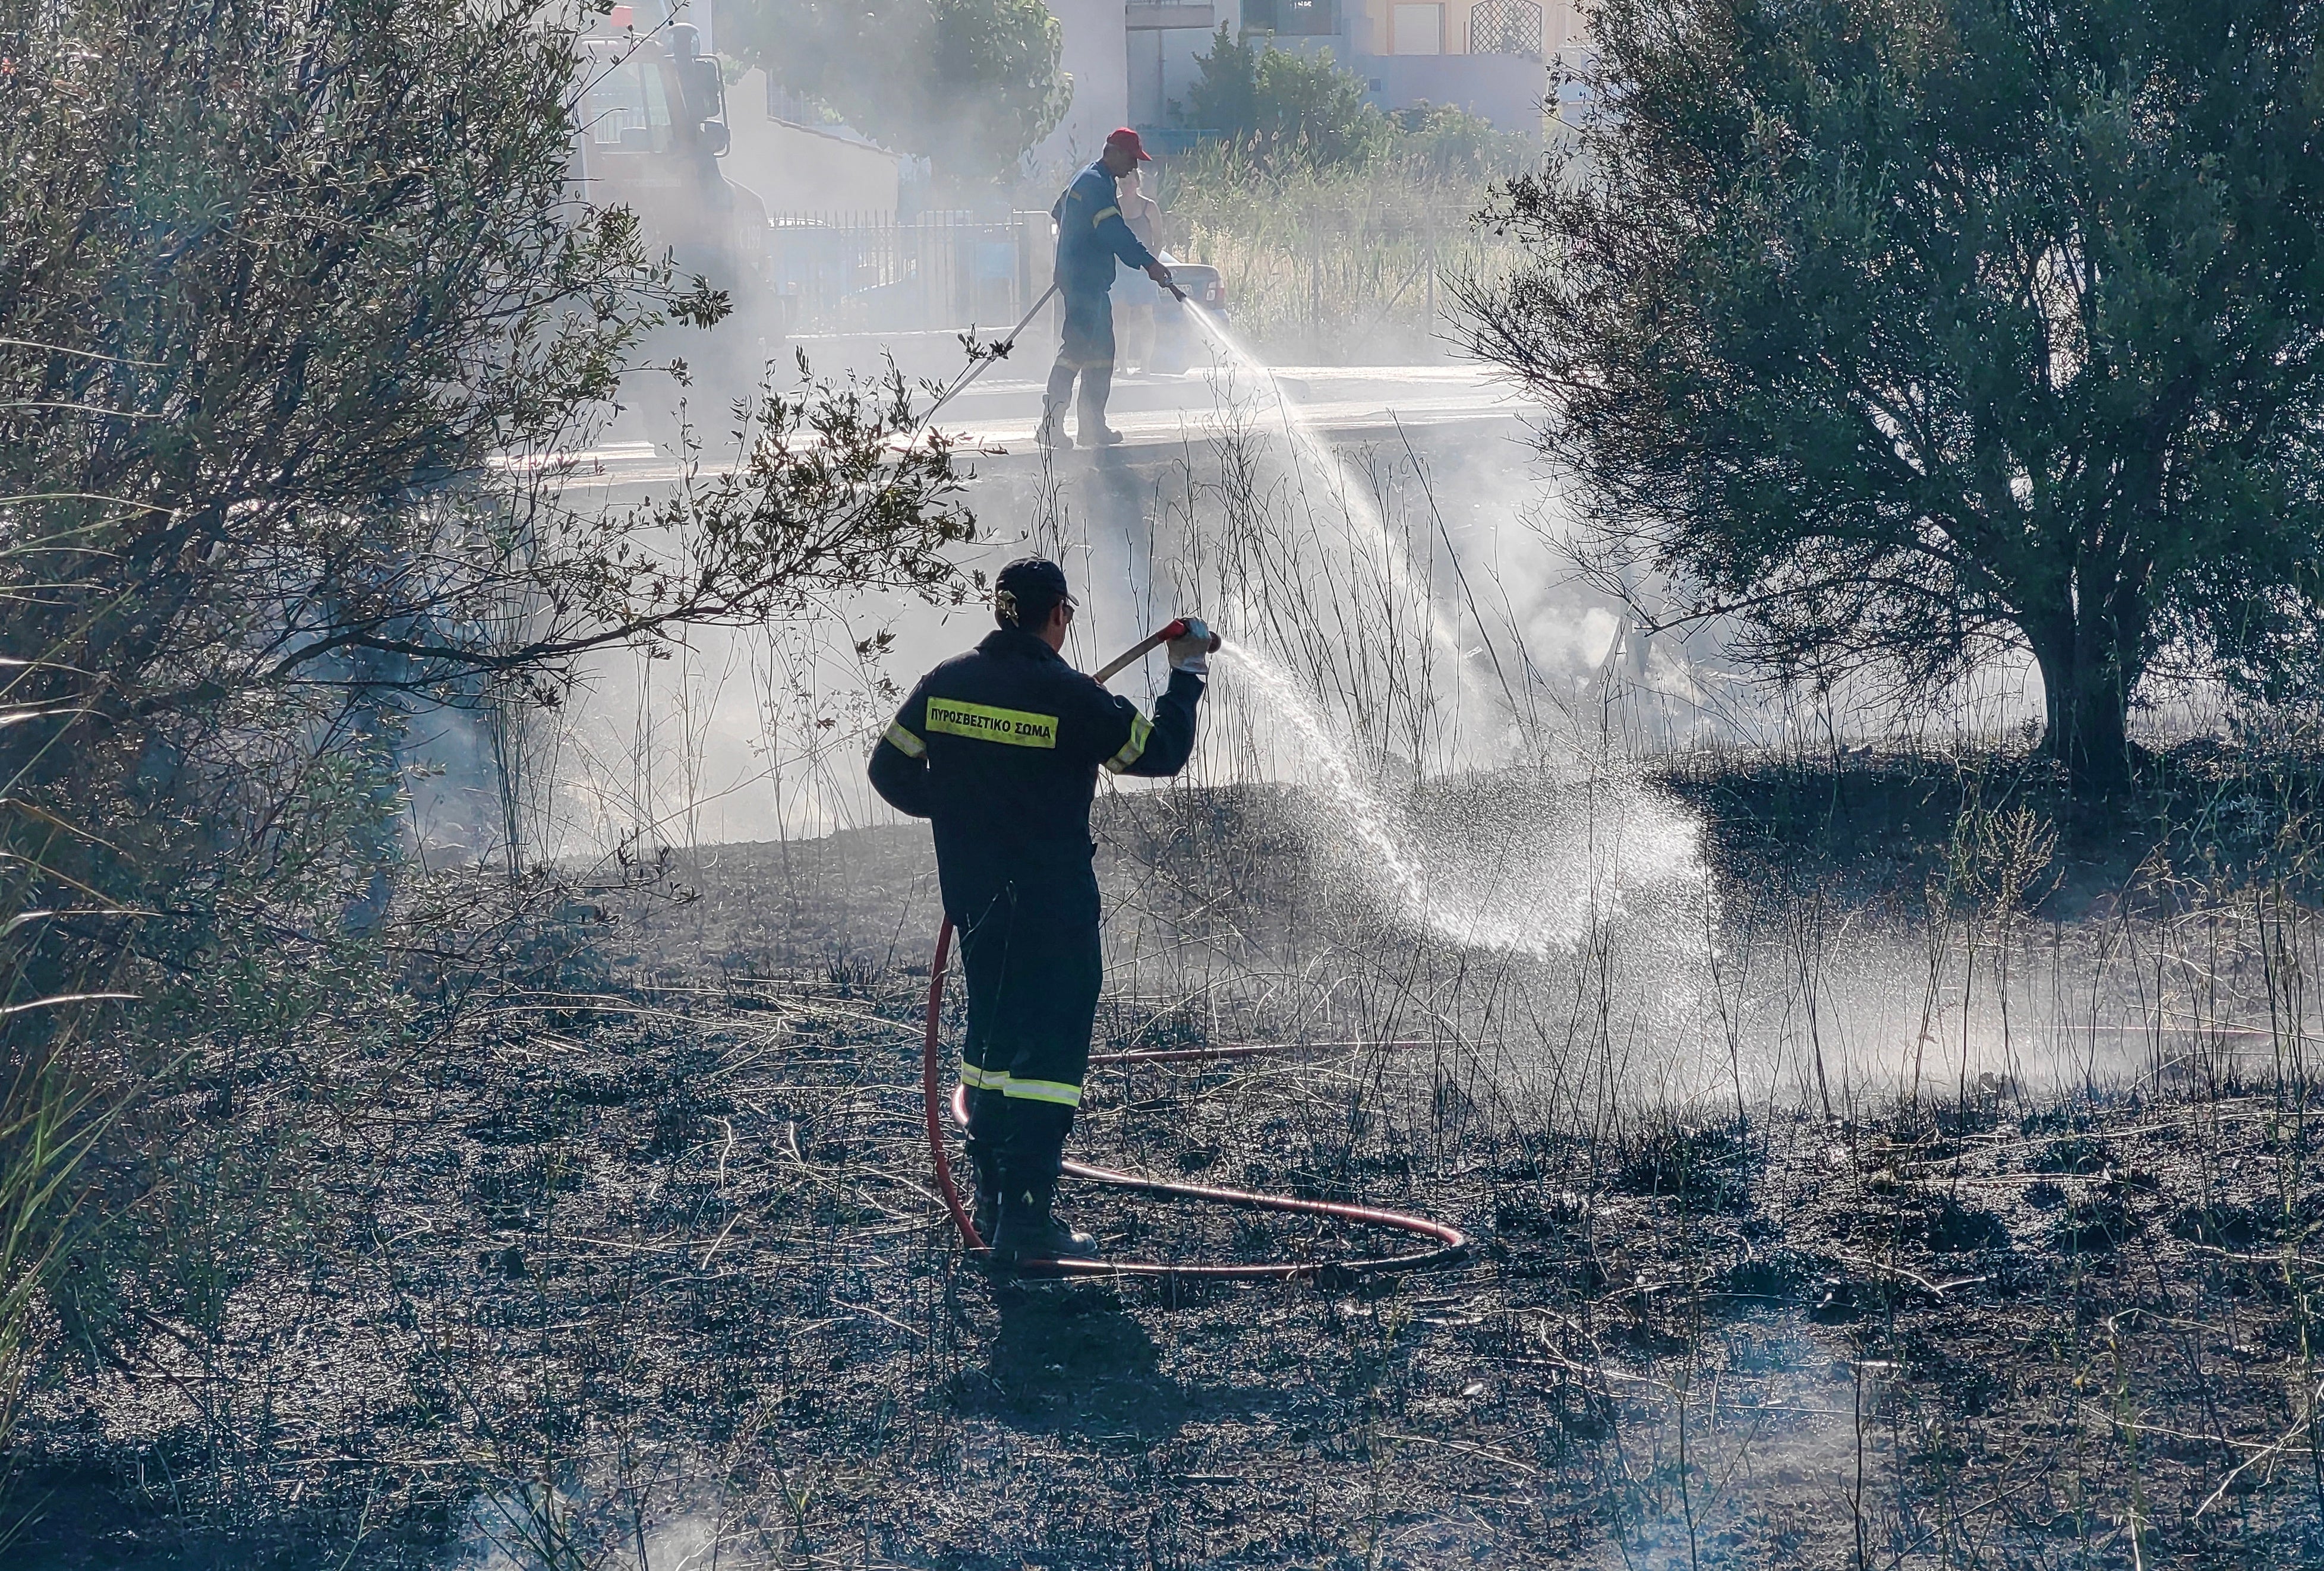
<point x="1031" y="1230"/>
<point x="1097" y="386"/>
<point x="986" y="1216"/>
<point x="988" y="1144"/>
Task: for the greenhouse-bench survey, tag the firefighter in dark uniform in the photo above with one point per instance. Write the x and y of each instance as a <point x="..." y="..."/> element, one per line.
<point x="1091" y="236"/>
<point x="1000" y="748"/>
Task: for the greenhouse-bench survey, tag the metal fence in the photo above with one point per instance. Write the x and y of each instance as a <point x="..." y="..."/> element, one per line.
<point x="872" y="273"/>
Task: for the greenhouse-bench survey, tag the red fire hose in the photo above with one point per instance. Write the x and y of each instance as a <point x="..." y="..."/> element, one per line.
<point x="1146" y="645"/>
<point x="1450" y="1244"/>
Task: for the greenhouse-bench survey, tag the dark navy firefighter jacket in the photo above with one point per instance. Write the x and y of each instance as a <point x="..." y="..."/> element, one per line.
<point x="1000" y="748"/>
<point x="1091" y="233"/>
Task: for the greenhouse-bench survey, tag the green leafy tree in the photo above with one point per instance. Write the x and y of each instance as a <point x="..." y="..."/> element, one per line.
<point x="969" y="85"/>
<point x="297" y="306"/>
<point x="1443" y="142"/>
<point x="1900" y="329"/>
<point x="1283" y="109"/>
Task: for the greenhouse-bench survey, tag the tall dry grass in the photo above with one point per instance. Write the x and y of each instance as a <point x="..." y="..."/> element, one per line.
<point x="1346" y="267"/>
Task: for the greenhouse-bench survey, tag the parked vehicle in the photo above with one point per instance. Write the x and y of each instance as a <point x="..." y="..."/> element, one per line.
<point x="1178" y="343"/>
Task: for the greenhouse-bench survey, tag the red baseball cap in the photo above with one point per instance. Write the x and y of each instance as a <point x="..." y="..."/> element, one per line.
<point x="1126" y="137"/>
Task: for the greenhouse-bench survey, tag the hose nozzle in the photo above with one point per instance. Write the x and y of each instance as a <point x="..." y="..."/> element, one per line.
<point x="1146" y="645"/>
<point x="1178" y="630"/>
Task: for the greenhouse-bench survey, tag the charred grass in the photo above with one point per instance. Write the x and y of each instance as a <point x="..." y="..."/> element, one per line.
<point x="639" y="1263"/>
<point x="655" y="1271"/>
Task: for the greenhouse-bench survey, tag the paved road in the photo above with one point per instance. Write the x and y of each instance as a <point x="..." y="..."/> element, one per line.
<point x="1335" y="398"/>
<point x="997" y="415"/>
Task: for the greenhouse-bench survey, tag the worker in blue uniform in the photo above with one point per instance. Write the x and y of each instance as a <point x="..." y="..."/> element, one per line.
<point x="1000" y="748"/>
<point x="1092" y="236"/>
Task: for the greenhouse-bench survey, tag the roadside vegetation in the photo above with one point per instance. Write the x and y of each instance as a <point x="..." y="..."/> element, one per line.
<point x="1339" y="229"/>
<point x="297" y="314"/>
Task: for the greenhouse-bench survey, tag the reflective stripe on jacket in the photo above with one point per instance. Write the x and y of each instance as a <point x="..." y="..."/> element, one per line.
<point x="1000" y="748"/>
<point x="1091" y="234"/>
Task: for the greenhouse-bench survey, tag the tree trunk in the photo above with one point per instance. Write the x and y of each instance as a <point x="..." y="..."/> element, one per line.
<point x="2086" y="683"/>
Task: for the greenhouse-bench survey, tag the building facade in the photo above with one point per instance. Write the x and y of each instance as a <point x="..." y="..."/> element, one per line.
<point x="1095" y="51"/>
<point x="1162" y="42"/>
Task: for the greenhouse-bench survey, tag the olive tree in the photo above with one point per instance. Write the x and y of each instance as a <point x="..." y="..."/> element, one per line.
<point x="1897" y="330"/>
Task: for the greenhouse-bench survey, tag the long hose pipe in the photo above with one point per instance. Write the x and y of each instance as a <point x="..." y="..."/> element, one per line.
<point x="1147" y="645"/>
<point x="1449" y="1243"/>
<point x="980" y="364"/>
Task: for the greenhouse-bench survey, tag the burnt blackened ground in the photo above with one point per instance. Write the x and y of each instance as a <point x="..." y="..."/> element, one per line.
<point x="640" y="1261"/>
<point x="668" y="1272"/>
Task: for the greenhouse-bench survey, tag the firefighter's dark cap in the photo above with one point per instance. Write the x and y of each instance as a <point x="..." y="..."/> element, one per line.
<point x="1034" y="580"/>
